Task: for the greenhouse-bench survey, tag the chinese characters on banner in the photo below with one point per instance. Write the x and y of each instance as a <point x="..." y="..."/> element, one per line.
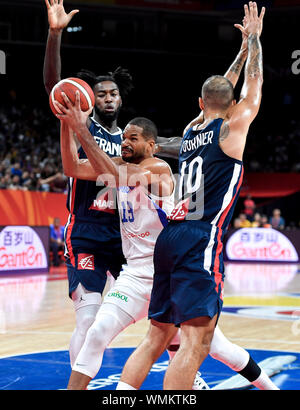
<point x="21" y="248"/>
<point x="260" y="244"/>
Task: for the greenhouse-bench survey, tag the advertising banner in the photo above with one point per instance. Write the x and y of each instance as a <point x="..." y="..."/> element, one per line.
<point x="261" y="244"/>
<point x="24" y="249"/>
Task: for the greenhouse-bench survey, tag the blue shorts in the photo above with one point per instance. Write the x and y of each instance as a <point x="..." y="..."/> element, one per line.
<point x="189" y="273"/>
<point x="92" y="250"/>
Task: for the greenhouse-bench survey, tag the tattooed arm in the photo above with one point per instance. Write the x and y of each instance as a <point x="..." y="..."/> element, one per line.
<point x="253" y="71"/>
<point x="233" y="72"/>
<point x="234" y="131"/>
<point x="224" y="132"/>
<point x="251" y="90"/>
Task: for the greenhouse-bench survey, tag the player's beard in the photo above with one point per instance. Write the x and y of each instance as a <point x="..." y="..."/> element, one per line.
<point x="107" y="117"/>
<point x="135" y="158"/>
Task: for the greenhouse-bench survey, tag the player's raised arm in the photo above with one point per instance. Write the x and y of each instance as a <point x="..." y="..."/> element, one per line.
<point x="252" y="87"/>
<point x="170" y="147"/>
<point x="233" y="72"/>
<point x="234" y="131"/>
<point x="58" y="19"/>
<point x="235" y="69"/>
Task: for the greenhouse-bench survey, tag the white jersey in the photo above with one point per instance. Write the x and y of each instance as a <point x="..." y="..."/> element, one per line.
<point x="142" y="218"/>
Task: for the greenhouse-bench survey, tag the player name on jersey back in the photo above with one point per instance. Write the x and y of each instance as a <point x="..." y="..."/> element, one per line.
<point x="210" y="180"/>
<point x="200" y="139"/>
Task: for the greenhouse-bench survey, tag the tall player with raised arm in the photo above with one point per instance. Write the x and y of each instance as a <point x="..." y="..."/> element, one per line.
<point x="92" y="234"/>
<point x="189" y="270"/>
<point x="58" y="20"/>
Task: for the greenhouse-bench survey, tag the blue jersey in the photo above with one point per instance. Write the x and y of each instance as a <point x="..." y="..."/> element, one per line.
<point x="210" y="180"/>
<point x="90" y="201"/>
<point x="188" y="257"/>
<point x="93" y="210"/>
<point x="92" y="235"/>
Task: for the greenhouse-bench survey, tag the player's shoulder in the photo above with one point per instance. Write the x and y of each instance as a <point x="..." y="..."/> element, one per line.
<point x="156" y="165"/>
<point x="154" y="161"/>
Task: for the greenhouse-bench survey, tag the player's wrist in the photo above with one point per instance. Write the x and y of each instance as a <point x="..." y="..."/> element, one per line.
<point x="81" y="129"/>
<point x="55" y="31"/>
<point x="243" y="53"/>
<point x="254" y="34"/>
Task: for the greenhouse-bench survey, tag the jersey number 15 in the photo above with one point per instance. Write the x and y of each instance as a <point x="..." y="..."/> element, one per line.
<point x="127" y="212"/>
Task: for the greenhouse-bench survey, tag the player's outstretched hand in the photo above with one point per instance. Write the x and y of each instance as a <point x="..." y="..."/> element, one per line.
<point x="253" y="21"/>
<point x="244" y="46"/>
<point x="57" y="17"/>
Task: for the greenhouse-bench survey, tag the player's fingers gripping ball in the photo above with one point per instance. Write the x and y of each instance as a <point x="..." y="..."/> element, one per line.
<point x="69" y="86"/>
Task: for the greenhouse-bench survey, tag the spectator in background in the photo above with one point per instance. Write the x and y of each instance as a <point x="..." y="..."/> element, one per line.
<point x="5" y="181"/>
<point x="28" y="181"/>
<point x="256" y="220"/>
<point x="59" y="184"/>
<point x="264" y="222"/>
<point x="236" y="223"/>
<point x="15" y="182"/>
<point x="56" y="239"/>
<point x="54" y="183"/>
<point x="15" y="170"/>
<point x="244" y="222"/>
<point x="250" y="206"/>
<point x="276" y="220"/>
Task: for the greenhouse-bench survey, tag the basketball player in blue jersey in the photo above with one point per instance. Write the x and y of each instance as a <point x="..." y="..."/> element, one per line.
<point x="92" y="234"/>
<point x="58" y="20"/>
<point x="189" y="272"/>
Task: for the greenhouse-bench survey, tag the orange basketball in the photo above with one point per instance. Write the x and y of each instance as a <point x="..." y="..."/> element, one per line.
<point x="69" y="86"/>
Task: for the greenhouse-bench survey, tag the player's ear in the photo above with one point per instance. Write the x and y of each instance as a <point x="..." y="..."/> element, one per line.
<point x="201" y="103"/>
<point x="151" y="146"/>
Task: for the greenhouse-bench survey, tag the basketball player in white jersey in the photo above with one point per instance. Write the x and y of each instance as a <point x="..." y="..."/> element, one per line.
<point x="145" y="198"/>
<point x="143" y="214"/>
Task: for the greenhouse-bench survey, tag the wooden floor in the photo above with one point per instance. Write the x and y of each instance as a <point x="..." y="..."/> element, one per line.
<point x="36" y="314"/>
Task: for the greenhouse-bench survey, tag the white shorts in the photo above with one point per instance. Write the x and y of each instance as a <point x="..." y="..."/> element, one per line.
<point x="131" y="291"/>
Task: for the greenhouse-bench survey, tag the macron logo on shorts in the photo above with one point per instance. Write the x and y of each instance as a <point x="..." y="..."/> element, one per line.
<point x="86" y="261"/>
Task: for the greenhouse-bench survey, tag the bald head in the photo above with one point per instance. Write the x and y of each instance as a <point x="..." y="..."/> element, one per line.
<point x="217" y="93"/>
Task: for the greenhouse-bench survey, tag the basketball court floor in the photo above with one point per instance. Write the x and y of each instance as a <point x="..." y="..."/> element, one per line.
<point x="261" y="313"/>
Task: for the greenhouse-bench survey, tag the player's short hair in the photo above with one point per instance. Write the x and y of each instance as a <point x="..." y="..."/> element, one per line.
<point x="121" y="77"/>
<point x="149" y="128"/>
<point x="217" y="92"/>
